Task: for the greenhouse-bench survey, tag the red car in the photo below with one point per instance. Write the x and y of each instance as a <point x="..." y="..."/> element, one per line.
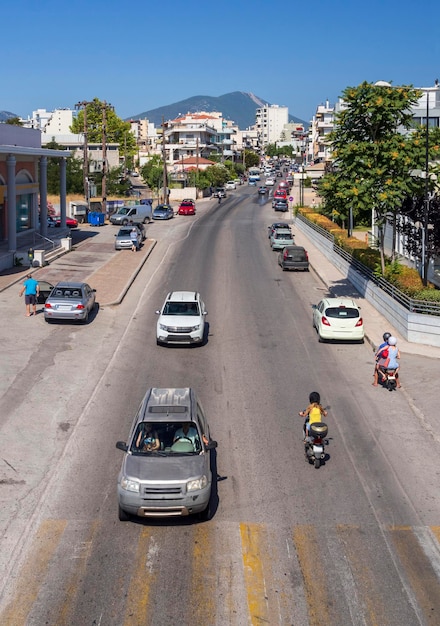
<point x="280" y="194"/>
<point x="187" y="207"/>
<point x="70" y="222"/>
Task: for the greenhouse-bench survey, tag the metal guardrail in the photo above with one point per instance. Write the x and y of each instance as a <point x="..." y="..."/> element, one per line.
<point x="46" y="239"/>
<point x="412" y="305"/>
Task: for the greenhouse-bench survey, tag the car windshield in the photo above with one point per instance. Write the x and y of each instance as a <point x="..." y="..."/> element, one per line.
<point x="169" y="438"/>
<point x="123" y="211"/>
<point x="181" y="308"/>
<point x="341" y="312"/>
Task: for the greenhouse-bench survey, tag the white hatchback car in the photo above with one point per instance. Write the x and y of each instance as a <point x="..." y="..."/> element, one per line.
<point x="338" y="318"/>
<point x="230" y="184"/>
<point x="181" y="319"/>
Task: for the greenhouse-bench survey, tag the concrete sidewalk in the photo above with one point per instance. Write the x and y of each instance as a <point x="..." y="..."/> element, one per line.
<point x="93" y="260"/>
<point x="338" y="285"/>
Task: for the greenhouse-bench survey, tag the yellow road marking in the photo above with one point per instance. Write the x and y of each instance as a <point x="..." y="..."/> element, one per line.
<point x="203" y="580"/>
<point x="419" y="572"/>
<point x="136" y="611"/>
<point x="33" y="571"/>
<point x="71" y="590"/>
<point x="315" y="587"/>
<point x="253" y="541"/>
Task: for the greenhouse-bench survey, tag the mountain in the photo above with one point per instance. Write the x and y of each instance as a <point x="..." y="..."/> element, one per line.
<point x="237" y="106"/>
<point x="6" y="115"/>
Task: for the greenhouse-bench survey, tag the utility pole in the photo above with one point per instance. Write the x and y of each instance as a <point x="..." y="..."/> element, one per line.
<point x="197" y="165"/>
<point x="83" y="105"/>
<point x="164" y="157"/>
<point x="105" y="106"/>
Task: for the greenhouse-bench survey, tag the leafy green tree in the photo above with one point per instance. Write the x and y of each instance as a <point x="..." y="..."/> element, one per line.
<point x="372" y="156"/>
<point x="251" y="158"/>
<point x="74" y="172"/>
<point x="217" y="175"/>
<point x="14" y="121"/>
<point x="117" y="131"/>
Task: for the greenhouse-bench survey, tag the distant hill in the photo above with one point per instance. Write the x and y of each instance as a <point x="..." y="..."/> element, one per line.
<point x="6" y="115"/>
<point x="237" y="106"/>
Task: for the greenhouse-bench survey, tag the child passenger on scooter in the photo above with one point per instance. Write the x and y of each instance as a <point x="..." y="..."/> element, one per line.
<point x="313" y="413"/>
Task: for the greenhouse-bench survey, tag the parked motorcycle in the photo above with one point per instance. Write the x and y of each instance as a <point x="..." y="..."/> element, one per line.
<point x="314" y="443"/>
<point x="388" y="378"/>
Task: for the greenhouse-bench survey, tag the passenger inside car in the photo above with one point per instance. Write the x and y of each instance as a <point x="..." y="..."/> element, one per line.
<point x="147" y="439"/>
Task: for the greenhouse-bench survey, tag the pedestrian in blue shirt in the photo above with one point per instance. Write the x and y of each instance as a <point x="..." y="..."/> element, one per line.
<point x="31" y="290"/>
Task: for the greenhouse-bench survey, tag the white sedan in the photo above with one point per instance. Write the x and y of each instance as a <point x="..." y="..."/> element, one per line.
<point x="270" y="182"/>
<point x="338" y="318"/>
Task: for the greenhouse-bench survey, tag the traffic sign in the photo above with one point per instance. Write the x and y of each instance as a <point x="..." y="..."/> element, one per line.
<point x="290" y="198"/>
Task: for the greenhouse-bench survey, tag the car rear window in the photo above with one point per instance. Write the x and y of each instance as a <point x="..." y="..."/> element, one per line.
<point x="342" y="312"/>
<point x="66" y="293"/>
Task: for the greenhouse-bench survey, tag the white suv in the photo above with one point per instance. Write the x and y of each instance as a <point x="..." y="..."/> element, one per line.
<point x="181" y="319"/>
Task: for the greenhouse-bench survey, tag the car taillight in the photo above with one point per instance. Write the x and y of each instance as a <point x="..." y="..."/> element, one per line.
<point x="325" y="321"/>
<point x="285" y="255"/>
<point x="80" y="306"/>
<point x="307" y="256"/>
<point x="47" y="305"/>
<point x="359" y="322"/>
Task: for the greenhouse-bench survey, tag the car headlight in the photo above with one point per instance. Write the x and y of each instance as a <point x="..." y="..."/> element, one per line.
<point x="130" y="485"/>
<point x="163" y="327"/>
<point x="193" y="328"/>
<point x="197" y="484"/>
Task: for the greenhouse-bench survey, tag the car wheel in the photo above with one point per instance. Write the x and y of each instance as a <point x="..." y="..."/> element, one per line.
<point x="123" y="515"/>
<point x="124" y="222"/>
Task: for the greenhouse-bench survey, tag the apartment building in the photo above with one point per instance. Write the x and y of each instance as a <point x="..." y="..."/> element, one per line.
<point x="270" y="121"/>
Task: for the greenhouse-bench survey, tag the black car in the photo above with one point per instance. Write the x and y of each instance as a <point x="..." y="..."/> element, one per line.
<point x="294" y="258"/>
<point x="280" y="205"/>
<point x="262" y="190"/>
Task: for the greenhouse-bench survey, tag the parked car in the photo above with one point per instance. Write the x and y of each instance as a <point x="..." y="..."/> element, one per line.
<point x="71" y="222"/>
<point x="294" y="258"/>
<point x="187" y="207"/>
<point x="126" y="214"/>
<point x="44" y="291"/>
<point x="338" y="318"/>
<point x="280" y="194"/>
<point x="51" y="221"/>
<point x="230" y="184"/>
<point x="166" y="469"/>
<point x="263" y="190"/>
<point x="280" y="204"/>
<point x="69" y="301"/>
<point x="181" y="319"/>
<point x="275" y="226"/>
<point x="281" y="238"/>
<point x="163" y="212"/>
<point x="123" y="239"/>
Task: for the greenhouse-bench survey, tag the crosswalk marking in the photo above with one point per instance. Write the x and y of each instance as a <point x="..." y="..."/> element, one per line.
<point x="143" y="574"/>
<point x="234" y="573"/>
<point x="254" y="551"/>
<point x="33" y="572"/>
<point x="315" y="579"/>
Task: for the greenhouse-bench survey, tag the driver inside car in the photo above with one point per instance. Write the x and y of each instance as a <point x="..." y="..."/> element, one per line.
<point x="187" y="431"/>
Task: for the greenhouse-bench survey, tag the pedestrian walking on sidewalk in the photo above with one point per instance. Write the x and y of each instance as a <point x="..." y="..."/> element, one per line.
<point x="31" y="290"/>
<point x="134" y="239"/>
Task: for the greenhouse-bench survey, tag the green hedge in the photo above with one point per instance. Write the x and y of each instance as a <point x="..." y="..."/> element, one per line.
<point x="407" y="279"/>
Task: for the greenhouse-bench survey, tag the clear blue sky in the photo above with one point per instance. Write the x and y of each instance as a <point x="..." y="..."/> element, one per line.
<point x="142" y="55"/>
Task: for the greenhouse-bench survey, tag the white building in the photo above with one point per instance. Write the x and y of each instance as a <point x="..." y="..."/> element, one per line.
<point x="57" y="122"/>
<point x="270" y="122"/>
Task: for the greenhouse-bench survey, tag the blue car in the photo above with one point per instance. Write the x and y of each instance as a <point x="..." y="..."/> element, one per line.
<point x="163" y="212"/>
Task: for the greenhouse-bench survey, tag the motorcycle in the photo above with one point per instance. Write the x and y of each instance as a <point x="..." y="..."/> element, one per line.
<point x="314" y="443"/>
<point x="388" y="378"/>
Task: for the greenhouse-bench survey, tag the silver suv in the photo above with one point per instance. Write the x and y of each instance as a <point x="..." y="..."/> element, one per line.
<point x="181" y="319"/>
<point x="166" y="469"/>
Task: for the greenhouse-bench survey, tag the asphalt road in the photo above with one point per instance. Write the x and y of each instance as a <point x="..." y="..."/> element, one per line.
<point x="355" y="542"/>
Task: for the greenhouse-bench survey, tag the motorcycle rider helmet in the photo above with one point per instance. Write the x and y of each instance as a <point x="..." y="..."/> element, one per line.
<point x="314" y="397"/>
<point x="392" y="341"/>
<point x="386" y="336"/>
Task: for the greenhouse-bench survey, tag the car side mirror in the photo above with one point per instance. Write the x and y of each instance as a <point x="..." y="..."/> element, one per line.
<point x="211" y="445"/>
<point x="121" y="445"/>
<point x="157" y="312"/>
<point x="314" y="306"/>
<point x="205" y="312"/>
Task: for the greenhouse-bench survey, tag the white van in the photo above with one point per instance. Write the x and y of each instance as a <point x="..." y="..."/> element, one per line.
<point x="136" y="214"/>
